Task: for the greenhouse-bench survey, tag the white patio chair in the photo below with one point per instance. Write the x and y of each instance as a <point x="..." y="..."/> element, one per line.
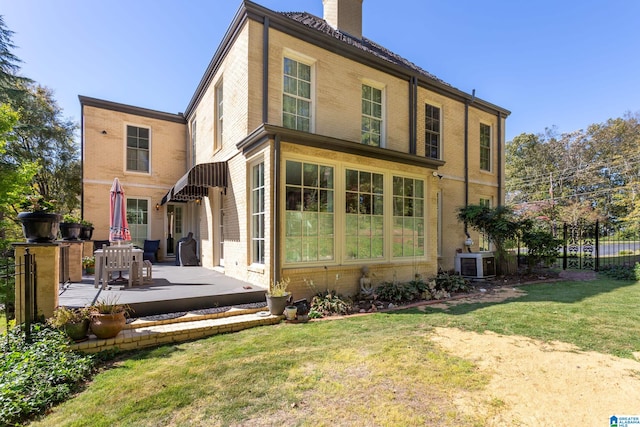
<point x="116" y="258"/>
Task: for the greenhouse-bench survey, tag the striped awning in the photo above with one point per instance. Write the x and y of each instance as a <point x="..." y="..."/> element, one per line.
<point x="195" y="183"/>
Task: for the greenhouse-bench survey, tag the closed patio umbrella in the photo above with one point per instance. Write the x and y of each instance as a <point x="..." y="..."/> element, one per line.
<point x="118" y="226"/>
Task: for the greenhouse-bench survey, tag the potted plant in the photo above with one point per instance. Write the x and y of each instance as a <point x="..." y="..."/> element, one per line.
<point x="89" y="264"/>
<point x="108" y="317"/>
<point x="278" y="297"/>
<point x="73" y="321"/>
<point x="70" y="227"/>
<point x="86" y="231"/>
<point x="40" y="222"/>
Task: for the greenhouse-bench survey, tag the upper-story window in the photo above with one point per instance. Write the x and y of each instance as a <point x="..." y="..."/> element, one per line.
<point x="296" y="97"/>
<point x="371" y="116"/>
<point x="219" y="114"/>
<point x="138" y="149"/>
<point x="194" y="128"/>
<point x="485" y="147"/>
<point x="432" y="128"/>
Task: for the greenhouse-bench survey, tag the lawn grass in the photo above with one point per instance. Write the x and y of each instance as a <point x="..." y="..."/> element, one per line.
<point x="379" y="369"/>
<point x="371" y="370"/>
<point x="601" y="315"/>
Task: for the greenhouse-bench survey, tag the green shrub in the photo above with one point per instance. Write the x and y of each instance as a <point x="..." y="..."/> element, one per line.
<point x="38" y="374"/>
<point x="401" y="292"/>
<point x="621" y="272"/>
<point x="328" y="304"/>
<point x="451" y="283"/>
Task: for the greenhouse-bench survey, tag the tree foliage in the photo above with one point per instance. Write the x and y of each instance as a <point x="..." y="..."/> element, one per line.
<point x="587" y="174"/>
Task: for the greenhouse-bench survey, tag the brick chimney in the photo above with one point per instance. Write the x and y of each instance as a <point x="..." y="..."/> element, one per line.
<point x="344" y="15"/>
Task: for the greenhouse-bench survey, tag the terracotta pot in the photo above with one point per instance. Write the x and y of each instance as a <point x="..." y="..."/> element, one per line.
<point x="40" y="227"/>
<point x="106" y="326"/>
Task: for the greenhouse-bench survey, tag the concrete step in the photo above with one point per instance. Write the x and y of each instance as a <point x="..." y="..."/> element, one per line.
<point x="142" y="333"/>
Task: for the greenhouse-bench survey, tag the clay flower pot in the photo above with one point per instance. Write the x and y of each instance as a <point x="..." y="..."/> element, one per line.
<point x="106" y="326"/>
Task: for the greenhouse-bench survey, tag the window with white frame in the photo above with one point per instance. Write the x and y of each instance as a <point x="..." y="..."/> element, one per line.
<point x="484" y="243"/>
<point x="485" y="147"/>
<point x="194" y="128"/>
<point x="296" y="97"/>
<point x="138" y="219"/>
<point x="309" y="234"/>
<point x="408" y="217"/>
<point x="219" y="114"/>
<point x="371" y="116"/>
<point x="138" y="149"/>
<point x="257" y="214"/>
<point x="364" y="210"/>
<point x="432" y="128"/>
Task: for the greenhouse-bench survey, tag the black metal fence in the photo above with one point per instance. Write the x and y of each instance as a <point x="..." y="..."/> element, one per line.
<point x="595" y="245"/>
<point x="19" y="272"/>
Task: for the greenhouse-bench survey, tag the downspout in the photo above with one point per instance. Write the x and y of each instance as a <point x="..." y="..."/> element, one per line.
<point x="413" y="115"/>
<point x="500" y="145"/>
<point x="275" y="218"/>
<point x="81" y="161"/>
<point x="265" y="70"/>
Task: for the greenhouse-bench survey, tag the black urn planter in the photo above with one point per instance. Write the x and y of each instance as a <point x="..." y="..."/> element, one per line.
<point x="70" y="230"/>
<point x="86" y="232"/>
<point x="40" y="227"/>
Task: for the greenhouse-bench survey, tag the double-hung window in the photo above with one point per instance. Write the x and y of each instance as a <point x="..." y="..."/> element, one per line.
<point x="485" y="147"/>
<point x="138" y="220"/>
<point x="408" y="217"/>
<point x="364" y="204"/>
<point x="138" y="149"/>
<point x="296" y="97"/>
<point x="371" y="116"/>
<point x="432" y="131"/>
<point x="257" y="214"/>
<point x="309" y="234"/>
<point x="217" y="144"/>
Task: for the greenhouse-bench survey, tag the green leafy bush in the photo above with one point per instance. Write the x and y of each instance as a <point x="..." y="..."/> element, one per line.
<point x="328" y="304"/>
<point x="452" y="283"/>
<point x="401" y="292"/>
<point x="622" y="272"/>
<point x="35" y="375"/>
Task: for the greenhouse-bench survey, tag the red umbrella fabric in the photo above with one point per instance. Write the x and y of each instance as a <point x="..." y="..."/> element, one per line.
<point x="118" y="226"/>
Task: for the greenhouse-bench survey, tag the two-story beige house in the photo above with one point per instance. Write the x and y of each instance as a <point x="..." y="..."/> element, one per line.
<point x="307" y="151"/>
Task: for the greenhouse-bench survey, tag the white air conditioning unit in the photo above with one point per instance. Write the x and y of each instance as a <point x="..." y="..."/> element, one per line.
<point x="476" y="265"/>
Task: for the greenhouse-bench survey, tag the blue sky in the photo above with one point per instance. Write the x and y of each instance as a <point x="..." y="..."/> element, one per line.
<point x="563" y="63"/>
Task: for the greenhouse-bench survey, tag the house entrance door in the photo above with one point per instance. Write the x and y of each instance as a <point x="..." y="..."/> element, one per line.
<point x="175" y="218"/>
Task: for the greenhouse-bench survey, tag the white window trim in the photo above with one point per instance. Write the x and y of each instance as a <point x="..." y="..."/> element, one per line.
<point x="311" y="62"/>
<point x="149" y="207"/>
<point x="218" y="134"/>
<point x="441" y="130"/>
<point x="381" y="87"/>
<point x="253" y="163"/>
<point x="491" y="147"/>
<point x="193" y="139"/>
<point x="124" y="143"/>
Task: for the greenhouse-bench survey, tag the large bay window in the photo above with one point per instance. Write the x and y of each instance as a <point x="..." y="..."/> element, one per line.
<point x="309" y="234"/>
<point x="364" y="209"/>
<point x="408" y="217"/>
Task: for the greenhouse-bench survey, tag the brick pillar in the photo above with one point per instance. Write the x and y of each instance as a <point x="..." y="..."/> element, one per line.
<point x="47" y="259"/>
<point x="75" y="260"/>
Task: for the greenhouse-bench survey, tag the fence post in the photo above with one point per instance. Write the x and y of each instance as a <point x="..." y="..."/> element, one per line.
<point x="597" y="263"/>
<point x="30" y="309"/>
<point x="564" y="246"/>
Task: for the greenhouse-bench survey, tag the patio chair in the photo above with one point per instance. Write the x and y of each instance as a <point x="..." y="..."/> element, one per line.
<point x="150" y="250"/>
<point x="116" y="258"/>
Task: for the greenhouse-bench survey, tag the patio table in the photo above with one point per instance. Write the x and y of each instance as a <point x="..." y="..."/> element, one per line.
<point x="137" y="258"/>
